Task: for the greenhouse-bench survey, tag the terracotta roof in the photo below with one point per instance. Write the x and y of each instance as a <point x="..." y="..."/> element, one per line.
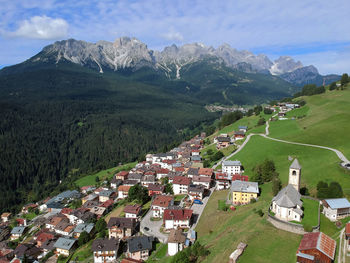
<point x="66" y="210"/>
<point x="181" y="180"/>
<point x="347" y="229"/>
<point x="205" y="171"/>
<point x="107" y="203"/>
<point x="132" y="209"/>
<point x="177" y="214"/>
<point x="122" y="173"/>
<point x="319" y="241"/>
<point x="176" y="236"/>
<point x="162" y="200"/>
<point x="163" y="171"/>
<point x="5" y="214"/>
<point x="124" y="188"/>
<point x="240" y="177"/>
<point x="202" y="179"/>
<point x="155" y="187"/>
<point x="44" y="236"/>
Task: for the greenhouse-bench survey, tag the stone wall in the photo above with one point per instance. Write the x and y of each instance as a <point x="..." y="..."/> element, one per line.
<point x="286" y="226"/>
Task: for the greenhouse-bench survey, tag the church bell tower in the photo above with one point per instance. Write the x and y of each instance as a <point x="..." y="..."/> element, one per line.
<point x="294" y="174"/>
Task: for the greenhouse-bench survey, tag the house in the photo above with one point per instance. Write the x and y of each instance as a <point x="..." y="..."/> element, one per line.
<point x="239" y="135"/>
<point x="223" y="142"/>
<point x="287" y="204"/>
<point x="244" y="192"/>
<point x="86" y="189"/>
<point x="139" y="247"/>
<point x="129" y="182"/>
<point x="90" y="197"/>
<point x="132" y="211"/>
<point x="196" y="191"/>
<point x="347" y="236"/>
<point x="335" y="209"/>
<point x="243" y="128"/>
<point x="81" y="215"/>
<point x="123" y="175"/>
<point x="26" y="208"/>
<point x="121" y="227"/>
<point x="208" y="172"/>
<point x="123" y="191"/>
<point x="180" y="184"/>
<point x="65" y="229"/>
<point x="105" y="250"/>
<point x="192" y="171"/>
<point x="108" y="205"/>
<point x="17" y="232"/>
<point x="26" y="251"/>
<point x="147" y="180"/>
<point x="53" y="221"/>
<point x="222" y="180"/>
<point x="316" y="247"/>
<point x="240" y="177"/>
<point x="177" y="218"/>
<point x="162" y="173"/>
<point x="64" y="246"/>
<point x="160" y="203"/>
<point x="21" y="221"/>
<point x="202" y="180"/>
<point x="135" y="176"/>
<point x="116" y="182"/>
<point x="5" y="217"/>
<point x="155" y="189"/>
<point x="106" y="195"/>
<point x="232" y="167"/>
<point x="196" y="158"/>
<point x="176" y="241"/>
<point x="84" y="227"/>
<point x="42" y="237"/>
<point x="98" y="210"/>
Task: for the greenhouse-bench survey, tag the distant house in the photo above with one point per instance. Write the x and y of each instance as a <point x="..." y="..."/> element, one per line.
<point x="202" y="180"/>
<point x="223" y="142"/>
<point x="42" y="237"/>
<point x="81" y="215"/>
<point x="232" y="167"/>
<point x="196" y="158"/>
<point x="335" y="209"/>
<point x="208" y="172"/>
<point x="116" y="182"/>
<point x="316" y="247"/>
<point x="155" y="189"/>
<point x="26" y="208"/>
<point x="132" y="211"/>
<point x="243" y="128"/>
<point x="5" y="217"/>
<point x="176" y="241"/>
<point x="106" y="195"/>
<point x="17" y="232"/>
<point x="98" y="211"/>
<point x="162" y="173"/>
<point x="65" y="229"/>
<point x="180" y="184"/>
<point x="139" y="247"/>
<point x="105" y="250"/>
<point x="244" y="192"/>
<point x="239" y="135"/>
<point x="86" y="189"/>
<point x="123" y="175"/>
<point x="192" y="171"/>
<point x="123" y="191"/>
<point x="80" y="228"/>
<point x="160" y="203"/>
<point x="147" y="180"/>
<point x="196" y="191"/>
<point x="222" y="180"/>
<point x="240" y="177"/>
<point x="177" y="218"/>
<point x="90" y="197"/>
<point x="135" y="176"/>
<point x="121" y="227"/>
<point x="64" y="246"/>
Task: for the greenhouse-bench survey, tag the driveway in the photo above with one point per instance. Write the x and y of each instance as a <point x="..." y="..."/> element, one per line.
<point x="153" y="226"/>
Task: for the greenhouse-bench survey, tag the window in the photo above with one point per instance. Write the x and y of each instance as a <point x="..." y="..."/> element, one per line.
<point x="294" y="172"/>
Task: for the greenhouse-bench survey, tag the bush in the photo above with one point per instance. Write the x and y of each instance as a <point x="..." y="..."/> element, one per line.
<point x="222" y="205"/>
<point x="261" y="121"/>
<point x="334" y="190"/>
<point x="276" y="185"/>
<point x="260" y="213"/>
<point x="268" y="111"/>
<point x="333" y="86"/>
<point x="138" y="193"/>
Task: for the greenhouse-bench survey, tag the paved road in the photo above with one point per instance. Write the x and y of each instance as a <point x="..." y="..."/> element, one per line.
<point x="342" y="249"/>
<point x="153" y="226"/>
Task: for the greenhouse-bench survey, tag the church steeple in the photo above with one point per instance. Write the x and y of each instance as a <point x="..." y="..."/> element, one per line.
<point x="294" y="174"/>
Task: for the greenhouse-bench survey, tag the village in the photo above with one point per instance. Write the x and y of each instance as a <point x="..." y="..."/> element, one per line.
<point x="163" y="199"/>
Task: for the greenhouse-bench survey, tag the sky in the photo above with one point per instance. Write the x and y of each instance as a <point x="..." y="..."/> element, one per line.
<point x="314" y="32"/>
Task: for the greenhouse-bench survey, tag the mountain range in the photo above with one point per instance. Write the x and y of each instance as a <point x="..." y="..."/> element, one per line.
<point x="131" y="53"/>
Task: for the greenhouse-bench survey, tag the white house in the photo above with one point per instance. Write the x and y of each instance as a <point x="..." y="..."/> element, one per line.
<point x="337" y="208"/>
<point x="160" y="203"/>
<point x="105" y="250"/>
<point x="177" y="218"/>
<point x="202" y="180"/>
<point x="232" y="167"/>
<point x="180" y="184"/>
<point x="176" y="241"/>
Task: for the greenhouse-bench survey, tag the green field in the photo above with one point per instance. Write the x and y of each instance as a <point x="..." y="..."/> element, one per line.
<point x="317" y="164"/>
<point x="244" y="225"/>
<point x="102" y="175"/>
<point x="310" y="217"/>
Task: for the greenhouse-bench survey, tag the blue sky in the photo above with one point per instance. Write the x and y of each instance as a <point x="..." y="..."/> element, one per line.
<point x="314" y="32"/>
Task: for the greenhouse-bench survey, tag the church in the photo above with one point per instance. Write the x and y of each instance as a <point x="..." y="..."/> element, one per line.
<point x="287" y="204"/>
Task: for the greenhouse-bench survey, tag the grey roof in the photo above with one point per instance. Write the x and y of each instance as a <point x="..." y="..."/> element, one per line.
<point x="196" y="188"/>
<point x="68" y="194"/>
<point x="64" y="243"/>
<point x="140" y="243"/>
<point x="295" y="164"/>
<point x="245" y="187"/>
<point x="193" y="171"/>
<point x="224" y="139"/>
<point x="302" y="255"/>
<point x="298" y="211"/>
<point x="105" y="245"/>
<point x="106" y="193"/>
<point x="288" y="197"/>
<point x="243" y="127"/>
<point x="231" y="163"/>
<point x="18" y="230"/>
<point x="122" y="222"/>
<point x="84" y="227"/>
<point x="134" y="176"/>
<point x="338" y="203"/>
<point x="196" y="158"/>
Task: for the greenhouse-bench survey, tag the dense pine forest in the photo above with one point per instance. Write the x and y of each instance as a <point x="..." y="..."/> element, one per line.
<point x="63" y="122"/>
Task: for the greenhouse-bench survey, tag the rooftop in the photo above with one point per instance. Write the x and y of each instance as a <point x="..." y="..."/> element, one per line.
<point x="295" y="164"/>
<point x="231" y="163"/>
<point x="245" y="187"/>
<point x="319" y="241"/>
<point x="177" y="214"/>
<point x="105" y="245"/>
<point x="176" y="236"/>
<point x="140" y="243"/>
<point x="288" y="197"/>
<point x="64" y="243"/>
<point x="338" y="203"/>
<point x="162" y="200"/>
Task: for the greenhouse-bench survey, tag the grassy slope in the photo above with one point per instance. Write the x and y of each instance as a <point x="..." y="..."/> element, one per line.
<point x="244" y="225"/>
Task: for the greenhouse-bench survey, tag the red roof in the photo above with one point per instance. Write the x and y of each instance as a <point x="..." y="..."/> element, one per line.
<point x="177" y="214"/>
<point x="107" y="203"/>
<point x="205" y="171"/>
<point x="203" y="179"/>
<point x="44" y="236"/>
<point x="347" y="229"/>
<point x="122" y="174"/>
<point x="319" y="241"/>
<point x="85" y="187"/>
<point x="179" y="169"/>
<point x="240" y="177"/>
<point x="181" y="180"/>
<point x="156" y="187"/>
<point x="132" y="209"/>
<point x="150" y="173"/>
<point x="124" y="188"/>
<point x="66" y="210"/>
<point x="163" y="171"/>
<point x="169" y="161"/>
<point x="221" y="176"/>
<point x="20" y="221"/>
<point x="162" y="200"/>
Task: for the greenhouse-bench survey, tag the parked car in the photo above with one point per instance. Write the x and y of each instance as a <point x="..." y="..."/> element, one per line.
<point x="197" y="201"/>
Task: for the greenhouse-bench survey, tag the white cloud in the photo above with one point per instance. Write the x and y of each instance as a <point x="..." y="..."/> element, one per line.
<point x="173" y="36"/>
<point x="42" y="27"/>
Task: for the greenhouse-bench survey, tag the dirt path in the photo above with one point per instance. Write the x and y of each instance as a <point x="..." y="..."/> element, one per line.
<point x="115" y="213"/>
